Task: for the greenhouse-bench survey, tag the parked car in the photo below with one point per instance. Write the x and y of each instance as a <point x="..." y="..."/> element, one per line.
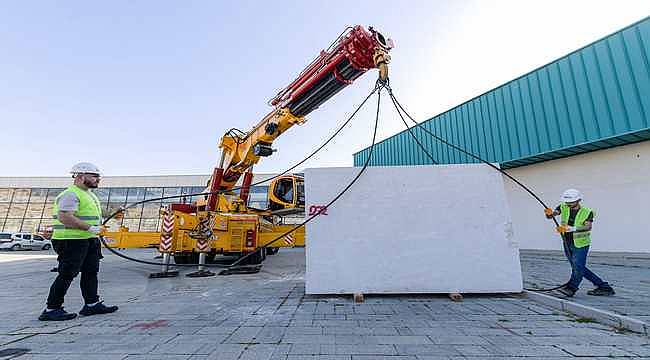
<point x="5" y="237"/>
<point x="24" y="241"/>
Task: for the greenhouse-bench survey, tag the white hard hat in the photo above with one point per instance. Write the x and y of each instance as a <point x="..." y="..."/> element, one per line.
<point x="571" y="195"/>
<point x="85" y="168"/>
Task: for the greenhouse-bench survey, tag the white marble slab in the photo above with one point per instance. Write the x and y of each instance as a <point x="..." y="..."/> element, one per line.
<point x="413" y="229"/>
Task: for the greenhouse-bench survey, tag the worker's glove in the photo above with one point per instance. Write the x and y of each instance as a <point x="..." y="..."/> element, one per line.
<point x="565" y="229"/>
<point x="548" y="211"/>
<point x="96" y="229"/>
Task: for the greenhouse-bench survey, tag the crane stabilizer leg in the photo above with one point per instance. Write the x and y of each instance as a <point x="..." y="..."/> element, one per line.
<point x="165" y="273"/>
<point x="245" y="269"/>
<point x="201" y="272"/>
<point x="166" y="246"/>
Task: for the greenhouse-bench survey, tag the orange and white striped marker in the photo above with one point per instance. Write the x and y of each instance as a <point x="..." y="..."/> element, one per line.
<point x="166" y="234"/>
<point x="288" y="239"/>
<point x="202" y="245"/>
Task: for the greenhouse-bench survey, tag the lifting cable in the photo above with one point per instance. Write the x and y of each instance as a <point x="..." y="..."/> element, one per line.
<point x="122" y="209"/>
<point x="418" y="125"/>
<point x="378" y="87"/>
<point x="400" y="109"/>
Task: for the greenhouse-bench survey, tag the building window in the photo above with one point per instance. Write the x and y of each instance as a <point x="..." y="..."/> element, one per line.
<point x="172" y="191"/>
<point x="151" y="210"/>
<point x="47" y="212"/>
<point x="38" y="195"/>
<point x="135" y="195"/>
<point x="149" y="225"/>
<point x="6" y="195"/>
<point x="118" y="195"/>
<point x="52" y="194"/>
<point x="30" y="210"/>
<point x="4" y="209"/>
<point x="21" y="196"/>
<point x="132" y="224"/>
<point x="154" y="193"/>
<point x="30" y="225"/>
<point x="17" y="210"/>
<point x="102" y="194"/>
<point x="133" y="212"/>
<point x="192" y="190"/>
<point x="12" y="225"/>
<point x="34" y="210"/>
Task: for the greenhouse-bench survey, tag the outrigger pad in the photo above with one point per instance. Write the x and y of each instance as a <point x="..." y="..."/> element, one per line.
<point x="166" y="274"/>
<point x="248" y="269"/>
<point x="201" y="273"/>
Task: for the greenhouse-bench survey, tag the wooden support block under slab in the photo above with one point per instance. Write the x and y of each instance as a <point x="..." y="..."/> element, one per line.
<point x="358" y="297"/>
<point x="457" y="297"/>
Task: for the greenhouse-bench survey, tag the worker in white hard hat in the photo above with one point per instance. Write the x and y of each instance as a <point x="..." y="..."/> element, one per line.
<point x="76" y="226"/>
<point x="575" y="226"/>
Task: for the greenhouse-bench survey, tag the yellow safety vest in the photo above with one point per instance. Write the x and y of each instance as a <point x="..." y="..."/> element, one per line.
<point x="580" y="238"/>
<point x="89" y="211"/>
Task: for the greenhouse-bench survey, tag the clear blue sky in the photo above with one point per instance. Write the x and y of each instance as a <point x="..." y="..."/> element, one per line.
<point x="149" y="87"/>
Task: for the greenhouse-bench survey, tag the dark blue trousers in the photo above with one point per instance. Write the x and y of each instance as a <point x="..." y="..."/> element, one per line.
<point x="578" y="259"/>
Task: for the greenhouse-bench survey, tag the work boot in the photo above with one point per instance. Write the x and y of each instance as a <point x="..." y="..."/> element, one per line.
<point x="602" y="291"/>
<point x="96" y="309"/>
<point x="567" y="291"/>
<point x="56" y="315"/>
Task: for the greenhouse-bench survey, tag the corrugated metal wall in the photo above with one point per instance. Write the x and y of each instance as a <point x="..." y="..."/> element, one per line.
<point x="593" y="98"/>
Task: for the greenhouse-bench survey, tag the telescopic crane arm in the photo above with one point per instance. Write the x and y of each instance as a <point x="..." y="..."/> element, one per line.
<point x="355" y="52"/>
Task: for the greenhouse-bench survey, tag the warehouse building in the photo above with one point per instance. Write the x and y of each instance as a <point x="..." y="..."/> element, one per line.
<point x="581" y="122"/>
<point x="26" y="202"/>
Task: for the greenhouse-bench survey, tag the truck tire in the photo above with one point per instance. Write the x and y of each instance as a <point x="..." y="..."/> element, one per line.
<point x="186" y="258"/>
<point x="181" y="259"/>
<point x="255" y="259"/>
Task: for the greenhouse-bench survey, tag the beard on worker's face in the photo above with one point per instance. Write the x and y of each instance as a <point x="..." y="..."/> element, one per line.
<point x="91" y="184"/>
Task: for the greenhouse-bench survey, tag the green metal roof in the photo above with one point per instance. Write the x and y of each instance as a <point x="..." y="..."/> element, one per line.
<point x="596" y="97"/>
